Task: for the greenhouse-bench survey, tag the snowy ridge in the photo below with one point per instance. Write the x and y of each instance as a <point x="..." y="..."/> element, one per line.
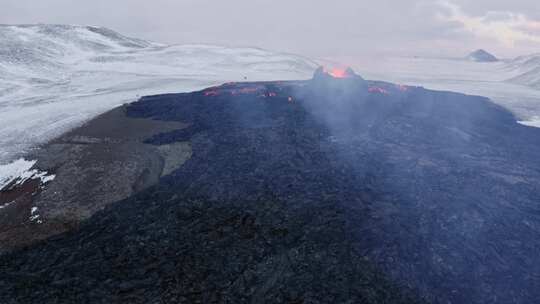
<point x="41" y="49"/>
<point x="56" y="77"/>
<point x="528" y="70"/>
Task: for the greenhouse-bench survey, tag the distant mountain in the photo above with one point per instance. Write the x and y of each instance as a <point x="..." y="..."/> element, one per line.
<point x="54" y="77"/>
<point x="482" y="56"/>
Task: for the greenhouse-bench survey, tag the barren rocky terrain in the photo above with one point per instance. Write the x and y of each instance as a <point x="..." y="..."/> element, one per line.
<point x="333" y="190"/>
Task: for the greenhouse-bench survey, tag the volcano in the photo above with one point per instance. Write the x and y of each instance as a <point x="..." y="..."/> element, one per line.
<point x="482" y="56"/>
<point x="335" y="189"/>
<point x="339" y="73"/>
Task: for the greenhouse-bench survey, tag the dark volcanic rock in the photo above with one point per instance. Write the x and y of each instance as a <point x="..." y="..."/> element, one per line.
<point x="312" y="192"/>
<point x="101" y="163"/>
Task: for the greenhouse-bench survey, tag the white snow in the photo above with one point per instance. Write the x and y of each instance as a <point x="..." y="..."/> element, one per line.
<point x="528" y="70"/>
<point x="56" y="77"/>
<point x="6" y="205"/>
<point x="34" y="216"/>
<point x="20" y="171"/>
<point x="533" y="122"/>
<point x="17" y="169"/>
<point x="493" y="80"/>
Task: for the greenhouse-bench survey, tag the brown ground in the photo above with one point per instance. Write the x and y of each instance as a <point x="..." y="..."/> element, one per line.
<point x="103" y="161"/>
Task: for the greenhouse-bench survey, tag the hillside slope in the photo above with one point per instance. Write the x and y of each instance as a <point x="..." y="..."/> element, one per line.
<point x="55" y="77"/>
<point x="528" y="69"/>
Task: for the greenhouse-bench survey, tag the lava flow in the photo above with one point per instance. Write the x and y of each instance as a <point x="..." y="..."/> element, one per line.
<point x="336" y="72"/>
<point x="339" y="73"/>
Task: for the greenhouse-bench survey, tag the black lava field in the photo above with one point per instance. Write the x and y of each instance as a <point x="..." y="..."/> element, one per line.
<point x="330" y="190"/>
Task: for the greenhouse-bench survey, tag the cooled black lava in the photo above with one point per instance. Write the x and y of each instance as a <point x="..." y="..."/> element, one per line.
<point x="321" y="191"/>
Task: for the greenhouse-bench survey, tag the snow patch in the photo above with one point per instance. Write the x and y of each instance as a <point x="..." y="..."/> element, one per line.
<point x="34" y="216"/>
<point x="19" y="171"/>
<point x="6" y="205"/>
<point x="535" y="122"/>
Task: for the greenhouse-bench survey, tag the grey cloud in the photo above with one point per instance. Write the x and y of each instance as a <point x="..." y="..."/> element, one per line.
<point x="481" y="7"/>
<point x="313" y="28"/>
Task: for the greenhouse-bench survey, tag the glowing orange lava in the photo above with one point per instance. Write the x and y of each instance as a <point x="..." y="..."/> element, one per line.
<point x="338" y="73"/>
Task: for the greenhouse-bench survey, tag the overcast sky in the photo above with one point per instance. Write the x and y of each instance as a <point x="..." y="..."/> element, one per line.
<point x="316" y="28"/>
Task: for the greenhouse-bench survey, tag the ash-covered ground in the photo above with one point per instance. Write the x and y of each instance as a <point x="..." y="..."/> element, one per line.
<point x="332" y="190"/>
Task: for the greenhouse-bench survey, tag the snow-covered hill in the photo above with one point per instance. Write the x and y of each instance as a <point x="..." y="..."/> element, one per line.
<point x="528" y="70"/>
<point x="55" y="77"/>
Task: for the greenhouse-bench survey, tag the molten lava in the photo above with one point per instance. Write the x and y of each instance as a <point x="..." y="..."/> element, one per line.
<point x="339" y="73"/>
